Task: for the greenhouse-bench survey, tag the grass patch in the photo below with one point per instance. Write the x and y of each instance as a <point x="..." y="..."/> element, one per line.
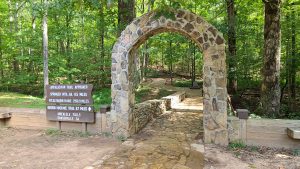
<point x="186" y="83"/>
<point x="76" y="133"/>
<point x="8" y="99"/>
<point x="253" y="148"/>
<point x="141" y="92"/>
<point x="107" y="134"/>
<point x="164" y="93"/>
<point x="121" y="138"/>
<point x="53" y="132"/>
<point x="237" y="145"/>
<point x="296" y="152"/>
<point x="144" y="93"/>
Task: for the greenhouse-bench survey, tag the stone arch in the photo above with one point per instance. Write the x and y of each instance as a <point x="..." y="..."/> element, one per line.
<point x="211" y="43"/>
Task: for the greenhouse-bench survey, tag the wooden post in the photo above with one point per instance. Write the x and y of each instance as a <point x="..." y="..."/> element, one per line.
<point x="243" y="130"/>
<point x="58" y="124"/>
<point x="84" y="127"/>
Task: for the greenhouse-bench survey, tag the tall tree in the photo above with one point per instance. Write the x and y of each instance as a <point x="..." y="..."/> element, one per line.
<point x="270" y="90"/>
<point x="293" y="66"/>
<point x="1" y="58"/>
<point x="232" y="79"/>
<point x="45" y="45"/>
<point x="126" y="13"/>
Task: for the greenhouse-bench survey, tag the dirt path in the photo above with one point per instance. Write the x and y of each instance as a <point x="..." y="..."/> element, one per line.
<point x="30" y="149"/>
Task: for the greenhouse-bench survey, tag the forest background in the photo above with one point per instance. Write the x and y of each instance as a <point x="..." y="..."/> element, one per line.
<point x="81" y="34"/>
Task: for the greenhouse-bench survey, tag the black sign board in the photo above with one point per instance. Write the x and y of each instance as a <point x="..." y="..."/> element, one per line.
<point x="70" y="113"/>
<point x="70" y="103"/>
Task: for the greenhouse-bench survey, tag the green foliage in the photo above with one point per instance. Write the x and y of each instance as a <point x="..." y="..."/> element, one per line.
<point x="8" y="99"/>
<point x="121" y="138"/>
<point x="296" y="152"/>
<point x="186" y="83"/>
<point x="152" y="73"/>
<point x="166" y="12"/>
<point x="141" y="92"/>
<point x="253" y="148"/>
<point x="102" y="96"/>
<point x="164" y="93"/>
<point x="236" y="145"/>
<point x="76" y="54"/>
<point x="294" y="115"/>
<point x="254" y="116"/>
<point x="77" y="133"/>
<point x="107" y="134"/>
<point x="52" y="132"/>
<point x="144" y="92"/>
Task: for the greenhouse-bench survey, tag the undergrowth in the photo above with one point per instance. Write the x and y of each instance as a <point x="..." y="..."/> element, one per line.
<point x="53" y="132"/>
<point x="236" y="145"/>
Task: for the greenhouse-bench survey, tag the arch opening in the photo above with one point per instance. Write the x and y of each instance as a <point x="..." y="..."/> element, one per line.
<point x="208" y="39"/>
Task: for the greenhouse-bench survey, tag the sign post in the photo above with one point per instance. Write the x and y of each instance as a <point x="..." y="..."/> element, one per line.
<point x="70" y="103"/>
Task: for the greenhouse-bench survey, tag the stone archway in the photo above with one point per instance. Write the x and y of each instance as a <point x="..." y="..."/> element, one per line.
<point x="207" y="38"/>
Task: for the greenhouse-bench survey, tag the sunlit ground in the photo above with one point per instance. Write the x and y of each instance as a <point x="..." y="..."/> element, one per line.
<point x="20" y="100"/>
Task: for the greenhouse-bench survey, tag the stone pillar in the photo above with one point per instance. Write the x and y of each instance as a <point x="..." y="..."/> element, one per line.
<point x="215" y="96"/>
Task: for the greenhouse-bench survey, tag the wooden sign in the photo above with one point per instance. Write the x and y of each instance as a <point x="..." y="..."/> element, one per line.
<point x="70" y="113"/>
<point x="71" y="103"/>
<point x="69" y="94"/>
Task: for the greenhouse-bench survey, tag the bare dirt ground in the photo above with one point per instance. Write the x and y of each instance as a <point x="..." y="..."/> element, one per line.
<point x="32" y="149"/>
<point x="250" y="158"/>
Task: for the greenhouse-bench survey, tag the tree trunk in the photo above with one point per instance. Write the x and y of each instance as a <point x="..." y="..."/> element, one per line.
<point x="232" y="79"/>
<point x="45" y="46"/>
<point x="287" y="62"/>
<point x="142" y="63"/>
<point x="102" y="78"/>
<point x="293" y="66"/>
<point x="270" y="90"/>
<point x="171" y="64"/>
<point x="146" y="59"/>
<point x="1" y="61"/>
<point x="68" y="47"/>
<point x="101" y="31"/>
<point x="15" y="61"/>
<point x="194" y="65"/>
<point x="126" y="13"/>
<point x="30" y="50"/>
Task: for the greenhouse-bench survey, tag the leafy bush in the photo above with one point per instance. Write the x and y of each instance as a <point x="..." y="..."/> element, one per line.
<point x="77" y="133"/>
<point x="186" y="83"/>
<point x="237" y="145"/>
<point x="102" y="96"/>
<point x="52" y="132"/>
<point x="152" y="73"/>
<point x="296" y="152"/>
<point x="294" y="115"/>
<point x="121" y="138"/>
<point x="141" y="92"/>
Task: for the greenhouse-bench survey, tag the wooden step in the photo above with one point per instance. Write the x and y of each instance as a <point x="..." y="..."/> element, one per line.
<point x="5" y="115"/>
<point x="293" y="132"/>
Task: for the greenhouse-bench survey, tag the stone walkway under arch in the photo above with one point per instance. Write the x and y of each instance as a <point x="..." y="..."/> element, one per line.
<point x="173" y="140"/>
